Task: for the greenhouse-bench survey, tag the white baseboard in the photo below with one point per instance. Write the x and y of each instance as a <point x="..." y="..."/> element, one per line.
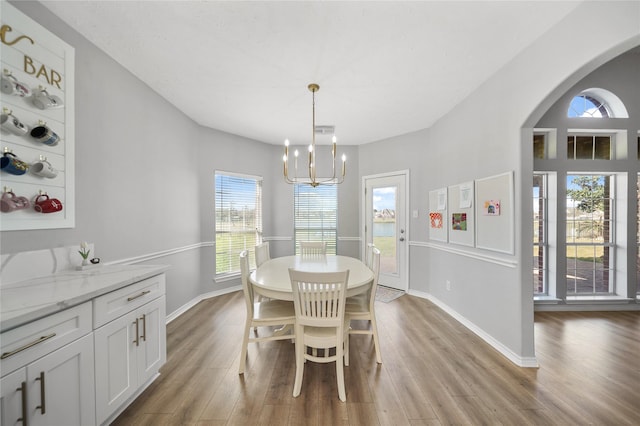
<point x="528" y="362"/>
<point x="193" y="302"/>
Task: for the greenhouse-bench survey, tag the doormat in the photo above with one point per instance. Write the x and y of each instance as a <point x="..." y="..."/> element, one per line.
<point x="387" y="294"/>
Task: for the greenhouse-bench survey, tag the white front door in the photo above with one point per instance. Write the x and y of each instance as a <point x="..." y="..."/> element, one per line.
<point x="385" y="225"/>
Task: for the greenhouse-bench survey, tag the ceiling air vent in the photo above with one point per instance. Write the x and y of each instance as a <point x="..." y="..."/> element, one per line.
<point x="325" y="130"/>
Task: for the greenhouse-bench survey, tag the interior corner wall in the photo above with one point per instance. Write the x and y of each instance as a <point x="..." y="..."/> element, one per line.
<point x="481" y="137"/>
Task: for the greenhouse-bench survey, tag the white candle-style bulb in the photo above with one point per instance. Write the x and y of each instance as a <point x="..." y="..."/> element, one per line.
<point x="344" y="158"/>
<point x="296" y="153"/>
<point x="284" y="158"/>
<point x="310" y="148"/>
<point x="286" y="142"/>
<point x="334" y="139"/>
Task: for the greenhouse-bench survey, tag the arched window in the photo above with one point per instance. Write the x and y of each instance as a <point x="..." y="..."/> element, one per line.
<point x="597" y="103"/>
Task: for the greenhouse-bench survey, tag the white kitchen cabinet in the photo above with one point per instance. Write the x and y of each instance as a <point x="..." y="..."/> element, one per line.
<point x="13" y="399"/>
<point x="130" y="349"/>
<point x="56" y="389"/>
<point x="76" y="348"/>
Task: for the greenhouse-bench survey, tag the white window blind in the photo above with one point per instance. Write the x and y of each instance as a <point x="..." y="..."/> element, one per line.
<point x="238" y="207"/>
<point x="316" y="212"/>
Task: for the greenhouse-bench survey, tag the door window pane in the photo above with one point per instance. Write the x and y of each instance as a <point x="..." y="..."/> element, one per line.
<point x="385" y="227"/>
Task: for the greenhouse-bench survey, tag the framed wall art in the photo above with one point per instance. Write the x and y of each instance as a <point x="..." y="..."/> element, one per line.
<point x="461" y="215"/>
<point x="495" y="213"/>
<point x="437" y="215"/>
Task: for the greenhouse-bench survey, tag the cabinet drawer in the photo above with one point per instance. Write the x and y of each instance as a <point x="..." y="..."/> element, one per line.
<point x="112" y="305"/>
<point x="29" y="342"/>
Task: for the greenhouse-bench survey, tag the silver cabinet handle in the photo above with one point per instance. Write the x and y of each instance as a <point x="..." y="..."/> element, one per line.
<point x="129" y="299"/>
<point x="23" y="389"/>
<point x="27" y="346"/>
<point x="137" y="341"/>
<point x="42" y="406"/>
<point x="144" y="327"/>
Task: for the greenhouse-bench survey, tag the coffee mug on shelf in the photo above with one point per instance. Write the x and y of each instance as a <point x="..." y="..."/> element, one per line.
<point x="44" y="204"/>
<point x="43" y="168"/>
<point x="43" y="100"/>
<point x="11" y="164"/>
<point x="45" y="135"/>
<point x="11" y="202"/>
<point x="11" y="86"/>
<point x="12" y="124"/>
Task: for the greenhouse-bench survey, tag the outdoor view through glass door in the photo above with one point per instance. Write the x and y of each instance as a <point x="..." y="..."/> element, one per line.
<point x="385" y="226"/>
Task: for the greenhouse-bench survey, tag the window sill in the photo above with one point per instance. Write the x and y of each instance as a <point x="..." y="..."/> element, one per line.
<point x="220" y="278"/>
<point x="586" y="303"/>
<point x="546" y="300"/>
<point x="595" y="299"/>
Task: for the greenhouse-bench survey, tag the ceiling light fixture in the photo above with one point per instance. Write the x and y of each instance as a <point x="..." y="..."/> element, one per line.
<point x="312" y="179"/>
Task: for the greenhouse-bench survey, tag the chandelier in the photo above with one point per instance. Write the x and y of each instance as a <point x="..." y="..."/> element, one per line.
<point x="312" y="179"/>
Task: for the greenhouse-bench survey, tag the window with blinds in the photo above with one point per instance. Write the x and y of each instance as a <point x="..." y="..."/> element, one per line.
<point x="238" y="207"/>
<point x="315" y="215"/>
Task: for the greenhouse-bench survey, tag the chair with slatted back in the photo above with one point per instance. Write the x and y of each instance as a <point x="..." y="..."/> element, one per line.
<point x="319" y="300"/>
<point x="262" y="253"/>
<point x="261" y="314"/>
<point x="313" y="248"/>
<point x="368" y="254"/>
<point x="364" y="309"/>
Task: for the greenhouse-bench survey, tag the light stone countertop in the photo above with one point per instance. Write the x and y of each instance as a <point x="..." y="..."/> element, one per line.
<point x="28" y="300"/>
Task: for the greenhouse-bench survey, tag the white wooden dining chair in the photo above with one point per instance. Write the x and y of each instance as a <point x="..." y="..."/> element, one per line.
<point x="368" y="257"/>
<point x="261" y="314"/>
<point x="368" y="254"/>
<point x="319" y="300"/>
<point x="364" y="309"/>
<point x="313" y="248"/>
<point x="262" y="253"/>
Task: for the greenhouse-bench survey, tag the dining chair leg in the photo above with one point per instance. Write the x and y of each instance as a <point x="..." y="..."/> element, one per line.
<point x="376" y="340"/>
<point x="340" y="373"/>
<point x="300" y="360"/>
<point x="346" y="347"/>
<point x="243" y="351"/>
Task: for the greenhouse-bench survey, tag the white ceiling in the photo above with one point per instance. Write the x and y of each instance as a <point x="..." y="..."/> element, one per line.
<point x="384" y="68"/>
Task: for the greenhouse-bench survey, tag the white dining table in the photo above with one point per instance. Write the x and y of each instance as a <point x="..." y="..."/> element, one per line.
<point x="271" y="279"/>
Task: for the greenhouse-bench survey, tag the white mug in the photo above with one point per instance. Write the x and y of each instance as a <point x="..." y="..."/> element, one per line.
<point x="43" y="100"/>
<point x="12" y="124"/>
<point x="44" y="169"/>
<point x="11" y="86"/>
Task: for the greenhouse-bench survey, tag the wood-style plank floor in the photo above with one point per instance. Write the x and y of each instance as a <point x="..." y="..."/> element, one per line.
<point x="434" y="372"/>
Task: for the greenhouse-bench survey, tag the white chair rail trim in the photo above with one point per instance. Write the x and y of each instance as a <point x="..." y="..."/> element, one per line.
<point x="160" y="254"/>
<point x="508" y="263"/>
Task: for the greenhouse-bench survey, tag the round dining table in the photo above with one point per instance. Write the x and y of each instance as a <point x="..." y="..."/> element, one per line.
<point x="271" y="279"/>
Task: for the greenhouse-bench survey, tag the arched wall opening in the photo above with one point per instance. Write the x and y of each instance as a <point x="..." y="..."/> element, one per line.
<point x="526" y="149"/>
